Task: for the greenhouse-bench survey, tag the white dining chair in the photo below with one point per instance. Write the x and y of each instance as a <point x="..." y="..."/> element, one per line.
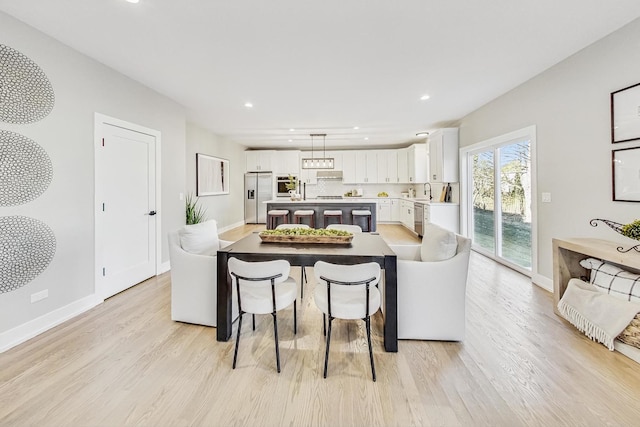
<point x="347" y="292"/>
<point x="345" y="227"/>
<point x="303" y="272"/>
<point x="263" y="288"/>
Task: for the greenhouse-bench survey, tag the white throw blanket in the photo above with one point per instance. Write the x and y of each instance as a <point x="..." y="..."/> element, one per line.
<point x="600" y="316"/>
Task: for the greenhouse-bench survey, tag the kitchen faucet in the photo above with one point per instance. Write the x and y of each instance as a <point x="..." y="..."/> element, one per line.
<point x="425" y="190"/>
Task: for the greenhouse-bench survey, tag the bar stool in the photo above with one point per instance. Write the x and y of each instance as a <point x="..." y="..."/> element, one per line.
<point x="274" y="214"/>
<point x="360" y="213"/>
<point x="329" y="214"/>
<point x="299" y="215"/>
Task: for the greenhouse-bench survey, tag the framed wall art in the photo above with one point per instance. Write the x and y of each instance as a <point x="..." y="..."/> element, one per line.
<point x="626" y="174"/>
<point x="212" y="175"/>
<point x="625" y="114"/>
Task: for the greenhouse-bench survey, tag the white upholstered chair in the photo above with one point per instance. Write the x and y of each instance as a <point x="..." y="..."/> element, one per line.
<point x="194" y="280"/>
<point x="347" y="292"/>
<point x="303" y="272"/>
<point x="432" y="294"/>
<point x="263" y="288"/>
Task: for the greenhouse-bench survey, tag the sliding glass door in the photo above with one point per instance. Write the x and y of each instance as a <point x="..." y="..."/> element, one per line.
<point x="499" y="203"/>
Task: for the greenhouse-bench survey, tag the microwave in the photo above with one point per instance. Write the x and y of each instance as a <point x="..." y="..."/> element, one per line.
<point x="281" y="185"/>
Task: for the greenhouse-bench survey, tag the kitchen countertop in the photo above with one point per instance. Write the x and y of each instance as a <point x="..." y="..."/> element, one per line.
<point x="355" y="199"/>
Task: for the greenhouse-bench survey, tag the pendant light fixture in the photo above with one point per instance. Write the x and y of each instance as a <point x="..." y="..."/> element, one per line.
<point x="323" y="162"/>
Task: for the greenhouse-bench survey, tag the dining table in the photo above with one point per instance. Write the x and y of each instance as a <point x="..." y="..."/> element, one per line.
<point x="364" y="247"/>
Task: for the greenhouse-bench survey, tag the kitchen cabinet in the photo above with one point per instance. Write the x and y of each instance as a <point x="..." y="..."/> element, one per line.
<point x="395" y="210"/>
<point x="366" y="167"/>
<point x="308" y="176"/>
<point x="446" y="215"/>
<point x="443" y="155"/>
<point x="259" y="160"/>
<point x="417" y="164"/>
<point x="387" y="167"/>
<point x="406" y="214"/>
<point x="384" y="210"/>
<point x="349" y="167"/>
<point x="286" y="162"/>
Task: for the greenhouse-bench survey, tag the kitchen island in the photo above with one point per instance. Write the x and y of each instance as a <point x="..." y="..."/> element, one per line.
<point x="346" y="205"/>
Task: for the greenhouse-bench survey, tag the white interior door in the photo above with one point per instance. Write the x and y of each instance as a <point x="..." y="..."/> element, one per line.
<point x="126" y="218"/>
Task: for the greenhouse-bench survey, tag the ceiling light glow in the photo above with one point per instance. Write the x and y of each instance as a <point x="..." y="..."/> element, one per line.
<point x="292" y="130"/>
<point x="424" y="97"/>
<point x="133" y="1"/>
<point x="356" y="127"/>
<point x="248" y="105"/>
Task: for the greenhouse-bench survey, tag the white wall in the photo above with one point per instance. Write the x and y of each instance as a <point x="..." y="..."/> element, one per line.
<point x="82" y="87"/>
<point x="569" y="105"/>
<point x="226" y="209"/>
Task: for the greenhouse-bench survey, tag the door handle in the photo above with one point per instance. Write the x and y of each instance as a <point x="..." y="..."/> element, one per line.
<point x="152" y="213"/>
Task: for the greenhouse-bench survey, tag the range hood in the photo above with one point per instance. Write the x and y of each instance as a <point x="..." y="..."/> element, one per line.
<point x="334" y="174"/>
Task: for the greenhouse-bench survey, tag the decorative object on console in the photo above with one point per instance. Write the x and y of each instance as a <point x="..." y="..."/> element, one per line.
<point x="625" y="122"/>
<point x="27" y="95"/>
<point x="631" y="230"/>
<point x="612" y="280"/>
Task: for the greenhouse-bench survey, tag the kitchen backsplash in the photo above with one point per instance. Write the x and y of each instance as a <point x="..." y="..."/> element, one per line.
<point x="328" y="187"/>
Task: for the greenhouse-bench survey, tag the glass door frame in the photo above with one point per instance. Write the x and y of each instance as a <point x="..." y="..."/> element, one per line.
<point x="466" y="196"/>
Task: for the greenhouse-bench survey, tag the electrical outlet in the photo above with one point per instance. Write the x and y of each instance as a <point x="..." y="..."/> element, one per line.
<point x="181" y="196"/>
<point x="39" y="296"/>
<point x="546" y="197"/>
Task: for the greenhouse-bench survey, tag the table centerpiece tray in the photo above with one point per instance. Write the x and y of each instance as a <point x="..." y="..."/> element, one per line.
<point x="344" y="238"/>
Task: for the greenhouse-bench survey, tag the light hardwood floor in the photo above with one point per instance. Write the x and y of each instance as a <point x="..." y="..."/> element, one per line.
<point x="126" y="363"/>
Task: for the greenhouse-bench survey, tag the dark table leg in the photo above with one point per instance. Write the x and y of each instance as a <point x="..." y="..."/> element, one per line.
<point x="224" y="298"/>
<point x="390" y="304"/>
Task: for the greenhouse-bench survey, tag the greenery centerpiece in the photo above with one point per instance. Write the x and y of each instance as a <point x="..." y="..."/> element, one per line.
<point x="306" y="235"/>
<point x="291" y="186"/>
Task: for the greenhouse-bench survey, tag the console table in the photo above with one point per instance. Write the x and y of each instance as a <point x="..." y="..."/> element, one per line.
<point x="567" y="254"/>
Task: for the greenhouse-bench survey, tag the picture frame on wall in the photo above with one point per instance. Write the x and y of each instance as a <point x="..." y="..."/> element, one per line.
<point x="625" y="114"/>
<point x="212" y="175"/>
<point x="626" y="174"/>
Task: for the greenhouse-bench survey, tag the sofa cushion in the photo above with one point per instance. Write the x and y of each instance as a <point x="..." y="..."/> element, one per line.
<point x="200" y="238"/>
<point x="438" y="244"/>
<point x="612" y="280"/>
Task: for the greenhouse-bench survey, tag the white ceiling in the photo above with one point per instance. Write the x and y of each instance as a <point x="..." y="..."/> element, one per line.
<point x="326" y="66"/>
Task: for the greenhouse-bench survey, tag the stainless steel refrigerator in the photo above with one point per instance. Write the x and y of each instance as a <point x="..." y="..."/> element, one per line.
<point x="258" y="188"/>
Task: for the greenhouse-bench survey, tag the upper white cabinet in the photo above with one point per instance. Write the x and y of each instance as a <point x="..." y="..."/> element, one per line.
<point x="349" y="167"/>
<point x="387" y="168"/>
<point x="286" y="162"/>
<point x="259" y="160"/>
<point x="443" y="155"/>
<point x="417" y="164"/>
<point x="309" y="176"/>
<point x="366" y="167"/>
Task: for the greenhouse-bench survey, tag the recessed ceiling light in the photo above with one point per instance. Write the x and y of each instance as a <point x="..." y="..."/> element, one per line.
<point x="424" y="97"/>
<point x="366" y="138"/>
<point x="356" y="128"/>
<point x="133" y="1"/>
<point x="248" y="105"/>
<point x="422" y="134"/>
<point x="291" y="140"/>
<point x="291" y="130"/>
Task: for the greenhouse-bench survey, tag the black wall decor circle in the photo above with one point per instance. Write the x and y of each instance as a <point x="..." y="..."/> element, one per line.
<point x="27" y="246"/>
<point x="26" y="95"/>
<point x="25" y="169"/>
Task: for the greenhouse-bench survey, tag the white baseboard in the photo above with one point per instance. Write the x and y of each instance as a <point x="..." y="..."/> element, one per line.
<point x="543" y="282"/>
<point x="26" y="331"/>
<point x="230" y="227"/>
<point x="164" y="267"/>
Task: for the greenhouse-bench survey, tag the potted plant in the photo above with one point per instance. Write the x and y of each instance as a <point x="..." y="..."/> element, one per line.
<point x="194" y="213"/>
<point x="291" y="186"/>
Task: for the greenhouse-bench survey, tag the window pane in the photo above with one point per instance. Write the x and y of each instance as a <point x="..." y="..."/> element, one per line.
<point x="515" y="194"/>
<point x="483" y="200"/>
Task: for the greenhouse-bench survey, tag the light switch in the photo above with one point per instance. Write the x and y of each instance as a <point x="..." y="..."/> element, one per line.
<point x="181" y="196"/>
<point x="546" y="197"/>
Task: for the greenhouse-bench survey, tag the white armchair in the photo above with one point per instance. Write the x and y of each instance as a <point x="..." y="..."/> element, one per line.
<point x="194" y="285"/>
<point x="431" y="295"/>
